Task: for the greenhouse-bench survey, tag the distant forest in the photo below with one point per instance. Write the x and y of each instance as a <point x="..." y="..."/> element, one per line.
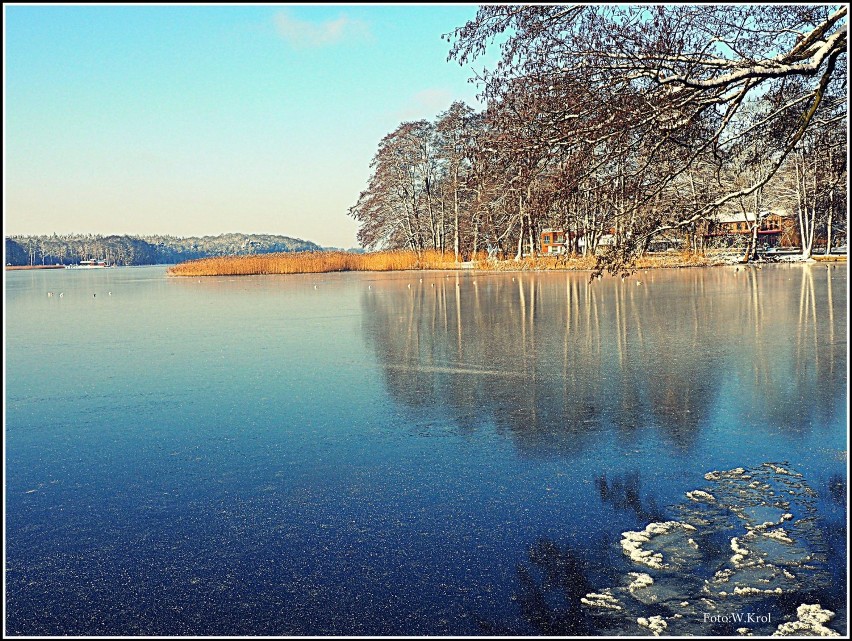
<point x="143" y="250"/>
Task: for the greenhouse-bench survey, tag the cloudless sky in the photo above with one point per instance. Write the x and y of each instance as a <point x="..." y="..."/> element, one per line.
<point x="198" y="120"/>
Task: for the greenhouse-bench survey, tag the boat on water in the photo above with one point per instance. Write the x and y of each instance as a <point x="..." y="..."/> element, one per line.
<point x="91" y="264"/>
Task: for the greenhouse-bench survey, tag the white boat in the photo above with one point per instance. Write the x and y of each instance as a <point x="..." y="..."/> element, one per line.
<point x="91" y="264"/>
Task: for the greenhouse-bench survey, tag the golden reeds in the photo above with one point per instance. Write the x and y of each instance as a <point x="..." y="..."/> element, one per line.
<point x="313" y="262"/>
<point x="539" y="263"/>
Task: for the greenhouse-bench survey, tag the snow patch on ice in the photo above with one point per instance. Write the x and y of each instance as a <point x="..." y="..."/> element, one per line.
<point x="700" y="495"/>
<point x="600" y="600"/>
<point x="810" y="621"/>
<point x="656" y="624"/>
<point x="640" y="581"/>
<point x="632" y="542"/>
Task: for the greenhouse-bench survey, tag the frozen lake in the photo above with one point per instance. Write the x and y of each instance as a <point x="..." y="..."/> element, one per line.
<point x="410" y="453"/>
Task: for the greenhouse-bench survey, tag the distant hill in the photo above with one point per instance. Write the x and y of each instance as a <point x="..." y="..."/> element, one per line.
<point x="143" y="250"/>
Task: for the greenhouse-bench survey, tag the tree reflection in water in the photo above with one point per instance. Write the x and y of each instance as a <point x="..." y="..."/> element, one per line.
<point x="623" y="494"/>
<point x="837" y="489"/>
<point x="549" y="360"/>
<point x="563" y="367"/>
<point x="550" y="588"/>
<point x="836" y="528"/>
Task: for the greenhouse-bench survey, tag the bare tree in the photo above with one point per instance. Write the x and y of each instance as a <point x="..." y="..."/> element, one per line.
<point x="455" y="131"/>
<point x="397" y="208"/>
<point x="664" y="87"/>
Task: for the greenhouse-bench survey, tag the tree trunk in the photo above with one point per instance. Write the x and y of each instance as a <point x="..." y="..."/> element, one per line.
<point x="520" y="253"/>
<point x="830" y="221"/>
<point x="531" y="234"/>
<point x="475" y="240"/>
<point x="456" y="219"/>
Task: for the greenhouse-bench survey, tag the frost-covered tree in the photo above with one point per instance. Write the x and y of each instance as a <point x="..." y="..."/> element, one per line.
<point x="662" y="89"/>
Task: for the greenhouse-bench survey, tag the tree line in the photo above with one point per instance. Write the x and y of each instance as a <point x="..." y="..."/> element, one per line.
<point x="142" y="250"/>
<point x="623" y="122"/>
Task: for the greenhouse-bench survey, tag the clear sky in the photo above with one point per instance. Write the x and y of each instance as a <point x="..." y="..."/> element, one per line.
<point x="197" y="120"/>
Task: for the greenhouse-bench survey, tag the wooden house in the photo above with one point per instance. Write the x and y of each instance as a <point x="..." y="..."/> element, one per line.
<point x="774" y="229"/>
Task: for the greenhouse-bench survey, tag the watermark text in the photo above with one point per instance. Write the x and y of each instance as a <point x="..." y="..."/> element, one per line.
<point x="737" y="617"/>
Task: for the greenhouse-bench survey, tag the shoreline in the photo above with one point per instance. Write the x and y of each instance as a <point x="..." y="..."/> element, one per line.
<point x="327" y="262"/>
<point x="541" y="264"/>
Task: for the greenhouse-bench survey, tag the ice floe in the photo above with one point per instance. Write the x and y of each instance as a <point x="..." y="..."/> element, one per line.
<point x="656" y="624"/>
<point x="744" y="543"/>
<point x="810" y="621"/>
<point x="666" y="536"/>
<point x="780" y="470"/>
<point x="700" y="495"/>
<point x="640" y="581"/>
<point x="603" y="600"/>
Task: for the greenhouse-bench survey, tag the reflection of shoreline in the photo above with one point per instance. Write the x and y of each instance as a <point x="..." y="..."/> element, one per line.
<point x="550" y="358"/>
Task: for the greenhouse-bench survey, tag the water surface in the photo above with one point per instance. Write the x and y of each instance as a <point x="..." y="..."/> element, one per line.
<point x="433" y="453"/>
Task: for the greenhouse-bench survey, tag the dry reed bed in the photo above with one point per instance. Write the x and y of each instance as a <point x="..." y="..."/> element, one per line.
<point x="316" y="262"/>
<point x="579" y="263"/>
<point x="312" y="262"/>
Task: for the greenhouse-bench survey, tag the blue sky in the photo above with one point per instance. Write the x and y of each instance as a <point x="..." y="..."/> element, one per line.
<point x="195" y="120"/>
